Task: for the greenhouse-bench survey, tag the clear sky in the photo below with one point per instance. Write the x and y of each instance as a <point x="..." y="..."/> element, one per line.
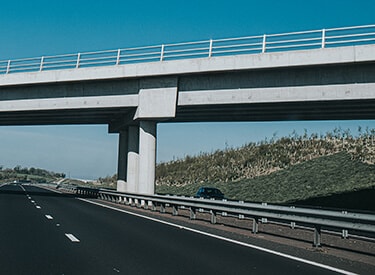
<point x="41" y="27"/>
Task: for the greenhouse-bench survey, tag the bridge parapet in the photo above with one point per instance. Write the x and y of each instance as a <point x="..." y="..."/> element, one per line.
<point x="291" y="41"/>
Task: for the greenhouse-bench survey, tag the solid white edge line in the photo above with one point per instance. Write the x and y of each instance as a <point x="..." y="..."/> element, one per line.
<point x="228" y="240"/>
<point x="72" y="238"/>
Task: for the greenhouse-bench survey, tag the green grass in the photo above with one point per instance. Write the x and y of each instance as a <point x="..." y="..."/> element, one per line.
<point x="322" y="176"/>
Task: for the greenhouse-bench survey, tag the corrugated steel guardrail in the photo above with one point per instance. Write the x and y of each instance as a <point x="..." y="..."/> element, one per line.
<point x="317" y="218"/>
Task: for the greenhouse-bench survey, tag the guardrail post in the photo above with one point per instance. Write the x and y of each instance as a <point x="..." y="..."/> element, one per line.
<point x="317" y="236"/>
<point x="213" y="216"/>
<point x="345" y="232"/>
<point x="264" y="43"/>
<point x="193" y="213"/>
<point x="174" y="210"/>
<point x="264" y="220"/>
<point x="255" y="226"/>
<point x="162" y="208"/>
<point x="143" y="204"/>
<point x="8" y="67"/>
<point x="292" y="224"/>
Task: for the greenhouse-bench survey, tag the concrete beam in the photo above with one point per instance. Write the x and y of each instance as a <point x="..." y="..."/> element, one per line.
<point x="69" y="103"/>
<point x="279" y="94"/>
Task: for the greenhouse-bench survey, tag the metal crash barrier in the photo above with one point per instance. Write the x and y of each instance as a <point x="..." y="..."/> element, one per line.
<point x="318" y="219"/>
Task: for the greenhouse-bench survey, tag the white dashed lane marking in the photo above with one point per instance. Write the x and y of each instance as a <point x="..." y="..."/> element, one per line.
<point x="72" y="238"/>
<point x="49" y="217"/>
<point x="38" y="207"/>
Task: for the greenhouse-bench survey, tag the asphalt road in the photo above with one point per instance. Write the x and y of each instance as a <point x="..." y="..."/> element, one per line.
<point x="42" y="232"/>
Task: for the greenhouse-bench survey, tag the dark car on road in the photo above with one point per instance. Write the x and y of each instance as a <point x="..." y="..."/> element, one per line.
<point x="209" y="193"/>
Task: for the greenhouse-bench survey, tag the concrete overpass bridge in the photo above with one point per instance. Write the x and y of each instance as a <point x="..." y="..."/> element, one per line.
<point x="314" y="75"/>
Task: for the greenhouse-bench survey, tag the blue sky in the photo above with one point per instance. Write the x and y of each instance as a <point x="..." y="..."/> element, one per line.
<point x="37" y="28"/>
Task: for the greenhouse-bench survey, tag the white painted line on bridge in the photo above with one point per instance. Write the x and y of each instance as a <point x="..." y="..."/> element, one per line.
<point x="72" y="238"/>
<point x="228" y="240"/>
<point x="49" y="217"/>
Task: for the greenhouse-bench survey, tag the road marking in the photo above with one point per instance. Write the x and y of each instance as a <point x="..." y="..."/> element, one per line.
<point x="72" y="238"/>
<point x="227" y="239"/>
<point x="23" y="188"/>
<point x="38" y="207"/>
<point x="33" y="201"/>
<point x="49" y="217"/>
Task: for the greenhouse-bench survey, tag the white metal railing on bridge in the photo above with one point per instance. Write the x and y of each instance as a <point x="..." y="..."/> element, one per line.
<point x="334" y="37"/>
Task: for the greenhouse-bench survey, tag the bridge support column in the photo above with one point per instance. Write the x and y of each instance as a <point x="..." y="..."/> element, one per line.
<point x="147" y="157"/>
<point x="122" y="161"/>
<point x="133" y="160"/>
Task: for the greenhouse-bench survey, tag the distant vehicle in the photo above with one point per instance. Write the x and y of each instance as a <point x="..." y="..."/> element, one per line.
<point x="209" y="193"/>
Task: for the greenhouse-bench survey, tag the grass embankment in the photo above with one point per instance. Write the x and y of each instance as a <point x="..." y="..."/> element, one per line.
<point x="288" y="170"/>
<point x="28" y="175"/>
<point x="319" y="177"/>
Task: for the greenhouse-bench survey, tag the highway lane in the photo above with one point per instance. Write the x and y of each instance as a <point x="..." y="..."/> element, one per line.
<point x="43" y="232"/>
